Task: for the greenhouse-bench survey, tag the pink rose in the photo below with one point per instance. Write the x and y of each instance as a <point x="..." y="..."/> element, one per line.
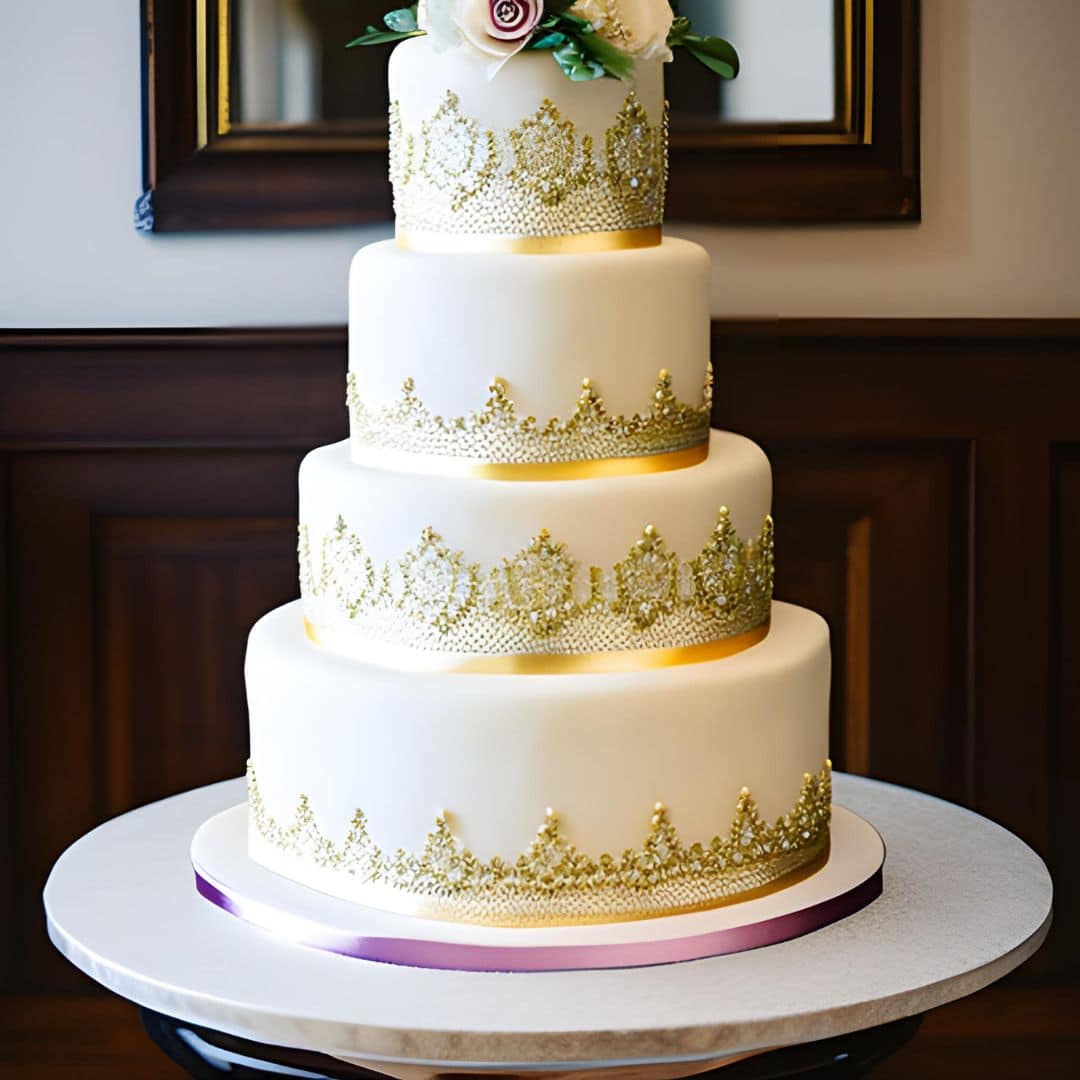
<point x="513" y="20"/>
<point x="497" y="29"/>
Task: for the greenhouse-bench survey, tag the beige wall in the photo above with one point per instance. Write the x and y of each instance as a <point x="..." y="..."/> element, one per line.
<point x="1000" y="234"/>
<point x="999" y="237"/>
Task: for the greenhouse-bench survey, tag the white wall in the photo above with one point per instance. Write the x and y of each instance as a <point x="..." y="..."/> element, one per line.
<point x="69" y="254"/>
<point x="1000" y="234"/>
<point x="1001" y="193"/>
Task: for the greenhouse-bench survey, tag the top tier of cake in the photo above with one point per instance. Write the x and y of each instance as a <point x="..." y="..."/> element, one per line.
<point x="527" y="158"/>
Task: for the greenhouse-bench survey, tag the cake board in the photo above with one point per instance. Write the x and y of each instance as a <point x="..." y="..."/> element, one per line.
<point x="964" y="903"/>
<point x="849" y="879"/>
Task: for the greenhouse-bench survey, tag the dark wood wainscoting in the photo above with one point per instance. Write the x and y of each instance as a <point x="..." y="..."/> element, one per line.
<point x="927" y="503"/>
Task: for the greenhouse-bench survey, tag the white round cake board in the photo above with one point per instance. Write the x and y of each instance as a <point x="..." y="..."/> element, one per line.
<point x="964" y="903"/>
<point x="228" y="877"/>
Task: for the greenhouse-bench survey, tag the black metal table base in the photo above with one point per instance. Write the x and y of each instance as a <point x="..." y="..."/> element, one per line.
<point x="211" y="1055"/>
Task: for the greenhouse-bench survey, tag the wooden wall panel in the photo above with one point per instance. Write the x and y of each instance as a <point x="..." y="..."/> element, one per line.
<point x="866" y="534"/>
<point x="927" y="498"/>
<point x="136" y="578"/>
<point x="178" y="597"/>
<point x="9" y="881"/>
<point x="974" y="665"/>
<point x="1064" y="744"/>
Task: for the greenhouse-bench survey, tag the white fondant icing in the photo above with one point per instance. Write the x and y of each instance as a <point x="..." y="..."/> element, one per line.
<point x="541" y="323"/>
<point x="420" y="75"/>
<point x="497" y="750"/>
<point x="597" y="519"/>
<point x="526" y="153"/>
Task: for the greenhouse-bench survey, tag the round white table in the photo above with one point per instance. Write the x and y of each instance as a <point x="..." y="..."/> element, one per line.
<point x="964" y="903"/>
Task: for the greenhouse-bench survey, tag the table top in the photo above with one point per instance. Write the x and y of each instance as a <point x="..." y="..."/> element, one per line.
<point x="964" y="903"/>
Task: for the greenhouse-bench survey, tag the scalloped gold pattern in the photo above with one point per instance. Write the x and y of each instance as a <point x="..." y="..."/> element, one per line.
<point x="553" y="883"/>
<point x="495" y="432"/>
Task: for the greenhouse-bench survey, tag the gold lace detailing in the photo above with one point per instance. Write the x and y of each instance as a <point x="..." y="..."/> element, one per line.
<point x="635" y="157"/>
<point x="605" y="13"/>
<point x="551" y="882"/>
<point x="401" y="148"/>
<point x="540" y="178"/>
<point x="541" y="600"/>
<point x="547" y="158"/>
<point x="456" y="157"/>
<point x="495" y="432"/>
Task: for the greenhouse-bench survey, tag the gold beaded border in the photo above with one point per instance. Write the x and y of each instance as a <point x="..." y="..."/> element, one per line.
<point x="506" y="244"/>
<point x="552" y="882"/>
<point x="544" y="471"/>
<point x="496" y="442"/>
<point x="404" y="659"/>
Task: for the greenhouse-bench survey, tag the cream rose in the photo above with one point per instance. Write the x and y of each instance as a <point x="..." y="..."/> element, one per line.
<point x="496" y="28"/>
<point x="639" y="27"/>
<point x="436" y="17"/>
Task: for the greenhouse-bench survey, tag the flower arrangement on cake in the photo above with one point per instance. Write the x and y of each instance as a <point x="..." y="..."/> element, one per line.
<point x="589" y="39"/>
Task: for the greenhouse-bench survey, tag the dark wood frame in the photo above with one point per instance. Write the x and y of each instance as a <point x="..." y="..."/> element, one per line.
<point x="235" y="181"/>
<point x="208" y="179"/>
<point x="868" y="173"/>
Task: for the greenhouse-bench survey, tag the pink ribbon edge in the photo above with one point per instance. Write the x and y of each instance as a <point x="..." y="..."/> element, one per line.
<point x="458" y="956"/>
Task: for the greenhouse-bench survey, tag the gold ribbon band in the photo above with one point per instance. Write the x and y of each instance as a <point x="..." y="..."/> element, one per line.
<point x="436" y="465"/>
<point x="569" y="244"/>
<point x="412" y="660"/>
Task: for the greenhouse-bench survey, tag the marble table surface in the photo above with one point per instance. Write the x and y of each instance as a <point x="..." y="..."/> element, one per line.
<point x="964" y="903"/>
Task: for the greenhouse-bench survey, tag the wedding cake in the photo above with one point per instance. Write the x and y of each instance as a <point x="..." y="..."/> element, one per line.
<point x="536" y="676"/>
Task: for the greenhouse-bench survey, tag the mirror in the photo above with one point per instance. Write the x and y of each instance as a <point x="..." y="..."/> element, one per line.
<point x="790" y="56"/>
<point x="287" y="67"/>
<point x="257" y="116"/>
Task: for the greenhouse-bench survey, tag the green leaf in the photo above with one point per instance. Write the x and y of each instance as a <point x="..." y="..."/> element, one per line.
<point x="403" y="20"/>
<point x="680" y="27"/>
<point x="548" y="39"/>
<point x="557" y="7"/>
<point x="715" y="53"/>
<point x="573" y="24"/>
<point x="614" y="61"/>
<point x="382" y="37"/>
<point x="720" y="67"/>
<point x="575" y="65"/>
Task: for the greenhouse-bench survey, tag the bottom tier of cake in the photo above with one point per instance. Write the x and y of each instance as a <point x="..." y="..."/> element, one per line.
<point x="540" y="799"/>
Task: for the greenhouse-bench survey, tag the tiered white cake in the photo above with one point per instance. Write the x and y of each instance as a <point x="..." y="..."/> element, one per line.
<point x="537" y="676"/>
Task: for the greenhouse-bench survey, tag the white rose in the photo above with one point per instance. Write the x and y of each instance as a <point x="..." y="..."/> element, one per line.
<point x="639" y="27"/>
<point x="437" y="18"/>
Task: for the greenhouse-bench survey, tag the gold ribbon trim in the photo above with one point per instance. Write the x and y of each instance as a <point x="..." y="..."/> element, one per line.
<point x="569" y="244"/>
<point x="412" y="660"/>
<point x="437" y="465"/>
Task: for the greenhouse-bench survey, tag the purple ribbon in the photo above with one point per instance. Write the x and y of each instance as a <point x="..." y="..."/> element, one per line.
<point x="457" y="956"/>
